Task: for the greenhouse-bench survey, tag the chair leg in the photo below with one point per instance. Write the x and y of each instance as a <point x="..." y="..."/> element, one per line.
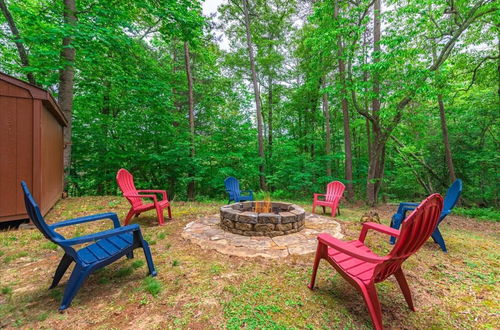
<point x="320" y="251"/>
<point x="403" y="284"/>
<point x="75" y="282"/>
<point x="159" y="212"/>
<point x="61" y="269"/>
<point x="314" y="207"/>
<point x="395" y="223"/>
<point x="129" y="216"/>
<point x="149" y="259"/>
<point x="372" y="303"/>
<point x="438" y="238"/>
<point x="338" y="210"/>
<point x="323" y="209"/>
<point x="169" y="213"/>
<point x="334" y="210"/>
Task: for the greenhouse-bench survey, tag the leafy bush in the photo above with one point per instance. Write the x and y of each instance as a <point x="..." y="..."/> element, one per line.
<point x="488" y="214"/>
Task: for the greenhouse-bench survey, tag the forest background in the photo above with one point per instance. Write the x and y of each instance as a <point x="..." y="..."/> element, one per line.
<point x="394" y="98"/>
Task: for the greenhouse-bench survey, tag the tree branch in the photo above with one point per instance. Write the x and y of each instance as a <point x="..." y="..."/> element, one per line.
<point x="23" y="55"/>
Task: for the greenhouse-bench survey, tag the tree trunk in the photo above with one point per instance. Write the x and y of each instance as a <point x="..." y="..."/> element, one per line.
<point x="328" y="138"/>
<point x="187" y="60"/>
<point x="260" y="136"/>
<point x="23" y="55"/>
<point x="366" y="100"/>
<point x="345" y="112"/>
<point x="66" y="77"/>
<point x="378" y="144"/>
<point x="446" y="142"/>
<point x="498" y="41"/>
<point x="270" y="118"/>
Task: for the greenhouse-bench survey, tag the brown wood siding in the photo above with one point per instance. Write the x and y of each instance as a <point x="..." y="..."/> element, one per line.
<point x="31" y="147"/>
<point x="52" y="160"/>
<point x="7" y="89"/>
<point x="24" y="149"/>
<point x="16" y="153"/>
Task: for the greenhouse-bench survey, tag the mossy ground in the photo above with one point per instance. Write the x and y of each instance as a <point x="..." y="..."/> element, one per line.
<point x="202" y="289"/>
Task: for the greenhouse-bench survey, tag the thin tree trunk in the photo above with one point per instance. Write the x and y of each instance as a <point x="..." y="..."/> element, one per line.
<point x="345" y="112"/>
<point x="446" y="142"/>
<point x="66" y="77"/>
<point x="23" y="55"/>
<point x="270" y="118"/>
<point x="328" y="138"/>
<point x="187" y="60"/>
<point x="366" y="100"/>
<point x="260" y="136"/>
<point x="378" y="145"/>
<point x="498" y="41"/>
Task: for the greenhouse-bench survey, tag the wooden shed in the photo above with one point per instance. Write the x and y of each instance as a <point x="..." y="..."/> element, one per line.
<point x="31" y="147"/>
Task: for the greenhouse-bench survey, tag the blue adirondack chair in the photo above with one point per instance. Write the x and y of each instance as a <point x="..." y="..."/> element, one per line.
<point x="108" y="246"/>
<point x="233" y="189"/>
<point x="452" y="196"/>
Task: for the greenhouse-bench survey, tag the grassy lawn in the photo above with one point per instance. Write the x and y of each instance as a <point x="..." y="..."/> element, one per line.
<point x="203" y="289"/>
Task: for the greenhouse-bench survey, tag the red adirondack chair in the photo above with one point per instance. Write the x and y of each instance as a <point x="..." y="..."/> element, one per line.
<point x="125" y="181"/>
<point x="334" y="191"/>
<point x="363" y="268"/>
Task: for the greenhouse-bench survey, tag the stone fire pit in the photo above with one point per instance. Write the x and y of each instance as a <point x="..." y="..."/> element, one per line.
<point x="283" y="219"/>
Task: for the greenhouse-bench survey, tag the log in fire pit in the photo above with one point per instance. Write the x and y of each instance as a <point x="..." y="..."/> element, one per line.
<point x="264" y="218"/>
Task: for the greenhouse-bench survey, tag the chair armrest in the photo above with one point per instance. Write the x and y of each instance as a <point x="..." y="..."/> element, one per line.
<point x="101" y="235"/>
<point x="88" y="218"/>
<point x="142" y="196"/>
<point x="408" y="204"/>
<point x="162" y="192"/>
<point x="318" y="195"/>
<point x="348" y="249"/>
<point x="378" y="227"/>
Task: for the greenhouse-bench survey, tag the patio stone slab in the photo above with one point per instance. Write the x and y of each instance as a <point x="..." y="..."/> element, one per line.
<point x="207" y="233"/>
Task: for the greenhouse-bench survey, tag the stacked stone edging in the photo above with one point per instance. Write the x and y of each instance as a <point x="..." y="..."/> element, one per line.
<point x="239" y="218"/>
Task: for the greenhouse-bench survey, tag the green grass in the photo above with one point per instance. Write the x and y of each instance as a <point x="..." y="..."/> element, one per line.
<point x="15" y="256"/>
<point x="48" y="246"/>
<point x="152" y="286"/>
<point x="197" y="288"/>
<point x="6" y="290"/>
<point x="124" y="272"/>
<point x="137" y="264"/>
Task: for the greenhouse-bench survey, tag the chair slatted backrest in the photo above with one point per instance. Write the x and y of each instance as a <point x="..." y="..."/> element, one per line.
<point x="451" y="198"/>
<point x="36" y="217"/>
<point x="233" y="187"/>
<point x="415" y="231"/>
<point x="334" y="190"/>
<point x="125" y="181"/>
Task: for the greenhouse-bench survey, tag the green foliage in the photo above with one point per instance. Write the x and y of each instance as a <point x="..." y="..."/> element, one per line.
<point x="487" y="214"/>
<point x="130" y="102"/>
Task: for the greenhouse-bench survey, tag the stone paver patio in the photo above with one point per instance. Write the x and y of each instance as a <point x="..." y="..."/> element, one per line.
<point x="207" y="233"/>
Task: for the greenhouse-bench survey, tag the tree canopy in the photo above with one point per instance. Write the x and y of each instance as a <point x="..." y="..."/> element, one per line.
<point x="395" y="97"/>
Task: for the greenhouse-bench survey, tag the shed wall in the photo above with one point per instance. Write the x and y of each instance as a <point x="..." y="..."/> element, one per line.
<point x="16" y="149"/>
<point x="52" y="171"/>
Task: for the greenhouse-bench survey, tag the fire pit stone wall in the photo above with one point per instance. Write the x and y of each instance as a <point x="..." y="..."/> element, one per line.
<point x="240" y="218"/>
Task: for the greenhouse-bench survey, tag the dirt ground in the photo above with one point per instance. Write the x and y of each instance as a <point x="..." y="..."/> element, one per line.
<point x="202" y="289"/>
